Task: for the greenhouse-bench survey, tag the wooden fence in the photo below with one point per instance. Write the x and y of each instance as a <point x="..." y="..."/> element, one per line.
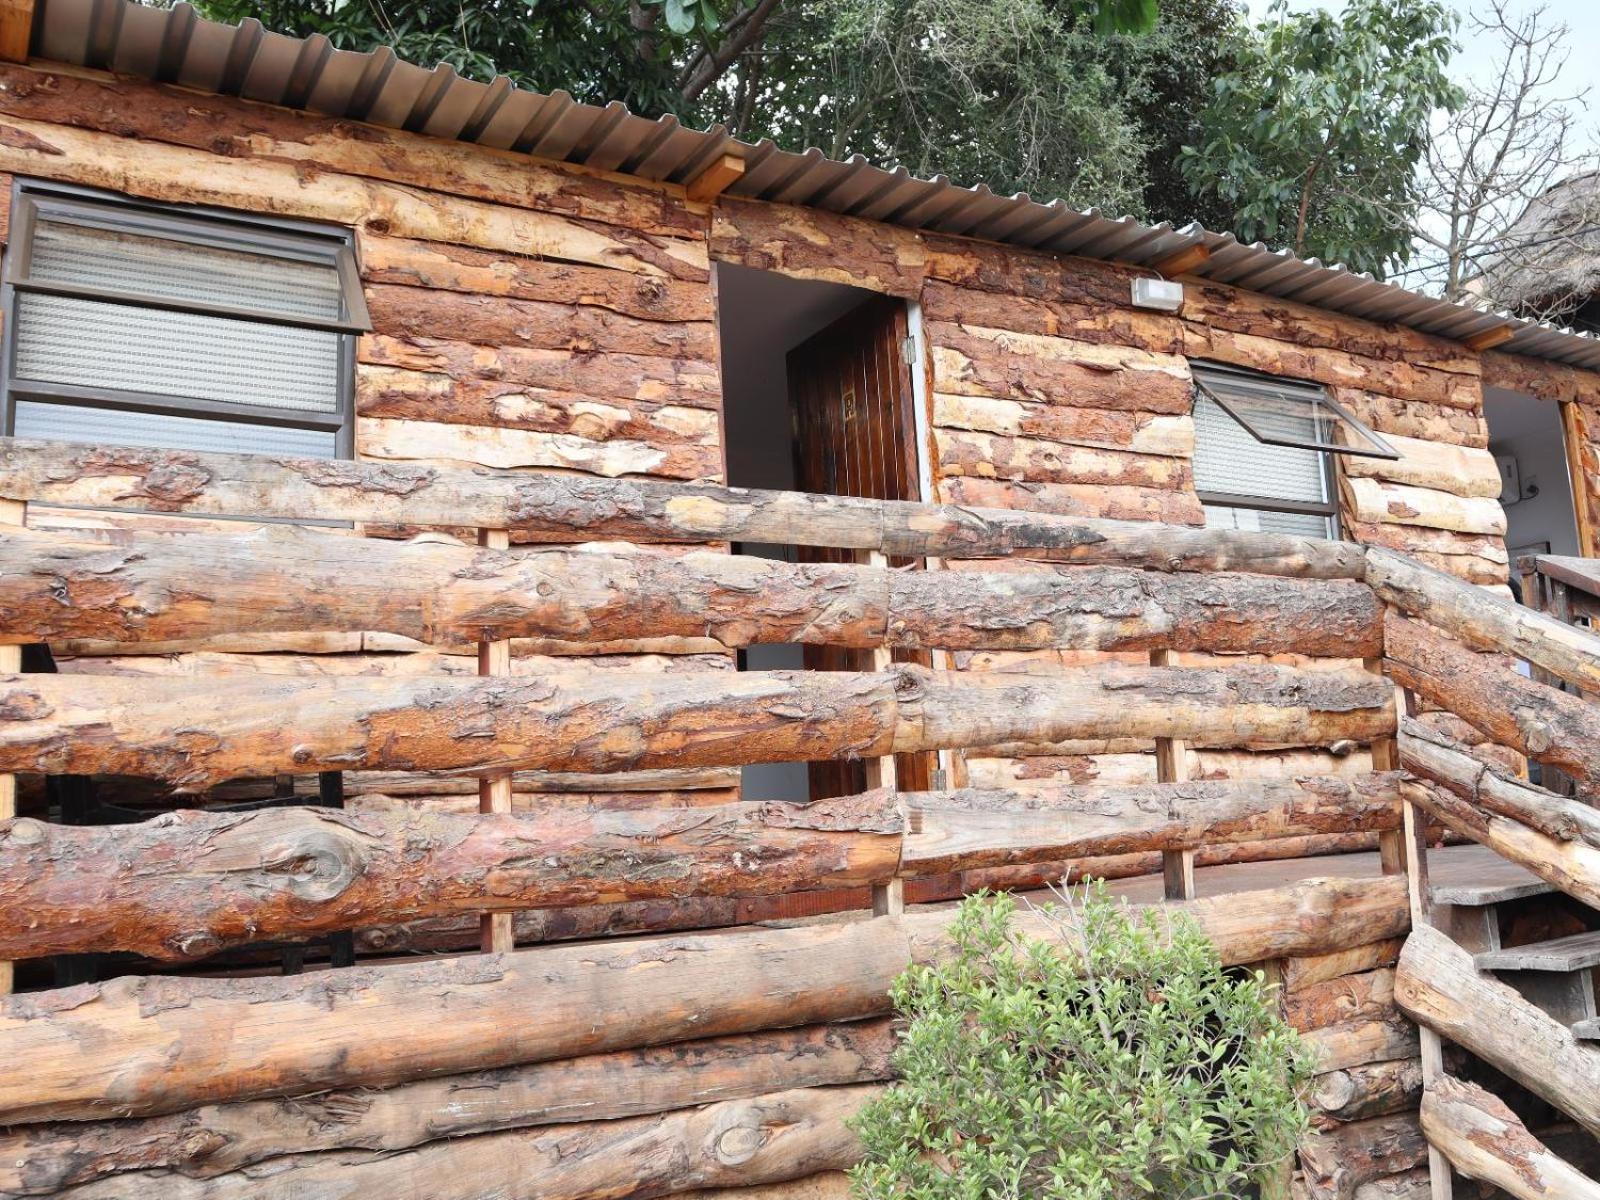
<point x="135" y="1073"/>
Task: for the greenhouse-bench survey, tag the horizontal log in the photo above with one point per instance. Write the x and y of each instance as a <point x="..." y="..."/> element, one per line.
<point x="1415" y="1184"/>
<point x="160" y="587"/>
<point x="971" y="830"/>
<point x="765" y="1139"/>
<point x="1361" y="1042"/>
<point x="809" y="243"/>
<point x="320" y="145"/>
<point x="197" y="732"/>
<point x="1483" y="1139"/>
<point x="188" y="884"/>
<point x="1551" y="726"/>
<point x="1438" y="986"/>
<point x="1372" y="1090"/>
<point x="1441" y="467"/>
<point x="1571" y="866"/>
<point x="215" y="1139"/>
<point x="1486" y="621"/>
<point x="1429" y="753"/>
<point x="1339" y="1160"/>
<point x="1399" y="504"/>
<point x="169" y="481"/>
<point x="1299" y="973"/>
<point x="178" y="174"/>
<point x="992" y="456"/>
<point x="543" y="324"/>
<point x="1368" y="996"/>
<point x="1415" y="419"/>
<point x="1140" y="432"/>
<point x="1094" y="501"/>
<point x="144" y="1046"/>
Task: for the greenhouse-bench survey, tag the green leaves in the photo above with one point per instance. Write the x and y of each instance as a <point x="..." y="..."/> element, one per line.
<point x="1315" y="136"/>
<point x="1104" y="1058"/>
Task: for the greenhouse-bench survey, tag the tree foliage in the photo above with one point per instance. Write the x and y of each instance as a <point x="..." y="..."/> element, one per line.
<point x="1112" y="1062"/>
<point x="1315" y="137"/>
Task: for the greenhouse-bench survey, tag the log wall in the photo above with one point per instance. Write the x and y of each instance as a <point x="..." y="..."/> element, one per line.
<point x="536" y="318"/>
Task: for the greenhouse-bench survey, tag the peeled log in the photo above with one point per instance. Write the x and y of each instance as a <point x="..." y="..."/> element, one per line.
<point x="635" y="510"/>
<point x="140" y="1046"/>
<point x="1551" y="726"/>
<point x="217" y="1138"/>
<point x="1339" y="1160"/>
<point x="1371" y="1090"/>
<point x="188" y="884"/>
<point x="1440" y="759"/>
<point x="1435" y="464"/>
<point x="1484" y="620"/>
<point x="768" y="1139"/>
<point x="160" y="587"/>
<point x="1377" y="503"/>
<point x="199" y="732"/>
<point x="1483" y="1139"/>
<point x="1438" y="986"/>
<point x="1574" y="867"/>
<point x="975" y="829"/>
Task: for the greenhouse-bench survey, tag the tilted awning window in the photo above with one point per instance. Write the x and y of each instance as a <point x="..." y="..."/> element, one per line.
<point x="1287" y="412"/>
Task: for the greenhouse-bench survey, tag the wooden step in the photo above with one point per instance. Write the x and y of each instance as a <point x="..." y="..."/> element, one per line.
<point x="1573" y="953"/>
<point x="1474" y="876"/>
<point x="1587" y="1030"/>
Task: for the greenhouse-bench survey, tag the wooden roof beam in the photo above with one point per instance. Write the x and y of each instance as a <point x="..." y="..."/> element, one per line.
<point x="1488" y="339"/>
<point x="718" y="177"/>
<point x="1180" y="262"/>
<point x="16" y="30"/>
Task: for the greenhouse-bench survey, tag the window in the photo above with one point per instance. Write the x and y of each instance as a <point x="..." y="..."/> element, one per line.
<point x="1263" y="451"/>
<point x="133" y="324"/>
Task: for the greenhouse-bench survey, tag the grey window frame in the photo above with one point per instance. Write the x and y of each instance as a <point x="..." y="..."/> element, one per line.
<point x="1279" y="383"/>
<point x="197" y="225"/>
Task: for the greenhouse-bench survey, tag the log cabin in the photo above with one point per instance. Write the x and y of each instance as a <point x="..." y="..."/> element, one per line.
<point x="449" y="528"/>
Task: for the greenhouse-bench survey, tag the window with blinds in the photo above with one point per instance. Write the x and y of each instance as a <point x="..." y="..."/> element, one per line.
<point x="139" y="325"/>
<point x="1262" y="447"/>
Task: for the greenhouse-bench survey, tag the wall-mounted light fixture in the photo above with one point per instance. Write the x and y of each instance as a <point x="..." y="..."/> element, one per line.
<point x="1161" y="294"/>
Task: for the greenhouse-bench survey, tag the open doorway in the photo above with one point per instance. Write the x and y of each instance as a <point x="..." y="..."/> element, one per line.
<point x="1528" y="442"/>
<point x="818" y="396"/>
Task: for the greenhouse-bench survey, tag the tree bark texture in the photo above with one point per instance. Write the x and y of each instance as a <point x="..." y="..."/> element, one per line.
<point x="1484" y="621"/>
<point x="1372" y="1090"/>
<point x="215" y="1139"/>
<point x="764" y="1139"/>
<point x="1483" y="1139"/>
<point x="1341" y="1159"/>
<point x="198" y="732"/>
<point x="1539" y="721"/>
<point x="636" y="510"/>
<point x="1438" y="986"/>
<point x="188" y="884"/>
<point x="163" y="587"/>
<point x="141" y="1046"/>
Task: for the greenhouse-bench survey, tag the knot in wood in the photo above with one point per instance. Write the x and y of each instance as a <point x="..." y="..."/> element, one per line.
<point x="317" y="865"/>
<point x="740" y="1143"/>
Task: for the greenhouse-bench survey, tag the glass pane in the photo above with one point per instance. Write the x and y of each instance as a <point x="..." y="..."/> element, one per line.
<point x="1286" y="411"/>
<point x="119" y="427"/>
<point x="1227" y="458"/>
<point x="1256" y="520"/>
<point x="88" y="343"/>
<point x="172" y="269"/>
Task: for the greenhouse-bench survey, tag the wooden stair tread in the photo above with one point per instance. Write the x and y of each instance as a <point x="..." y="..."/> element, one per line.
<point x="1587" y="1030"/>
<point x="1572" y="953"/>
<point x="1473" y="876"/>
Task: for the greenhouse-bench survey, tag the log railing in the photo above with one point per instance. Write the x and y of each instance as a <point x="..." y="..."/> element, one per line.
<point x="188" y="884"/>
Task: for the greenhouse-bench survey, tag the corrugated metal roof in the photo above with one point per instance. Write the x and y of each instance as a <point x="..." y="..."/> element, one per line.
<point x="175" y="46"/>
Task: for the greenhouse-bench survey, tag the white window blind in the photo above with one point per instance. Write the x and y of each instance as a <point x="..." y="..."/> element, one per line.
<point x="1229" y="459"/>
<point x="166" y="327"/>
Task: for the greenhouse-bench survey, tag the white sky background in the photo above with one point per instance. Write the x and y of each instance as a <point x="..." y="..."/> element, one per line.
<point x="1476" y="57"/>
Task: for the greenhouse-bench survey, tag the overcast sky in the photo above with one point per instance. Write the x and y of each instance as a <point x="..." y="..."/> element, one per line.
<point x="1582" y="18"/>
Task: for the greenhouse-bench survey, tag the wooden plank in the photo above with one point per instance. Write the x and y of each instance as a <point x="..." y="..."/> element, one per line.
<point x="16" y="30"/>
<point x="715" y="178"/>
<point x="1488" y="339"/>
<point x="1180" y="262"/>
<point x="164" y="481"/>
<point x="1177" y="866"/>
<point x="1576" y="952"/>
<point x="12" y="513"/>
<point x="494" y="791"/>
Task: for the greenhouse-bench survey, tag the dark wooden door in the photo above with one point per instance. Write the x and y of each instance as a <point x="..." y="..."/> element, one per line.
<point x="850" y="397"/>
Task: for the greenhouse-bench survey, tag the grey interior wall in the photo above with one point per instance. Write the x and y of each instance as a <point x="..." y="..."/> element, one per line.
<point x="1530" y="431"/>
<point x="761" y="316"/>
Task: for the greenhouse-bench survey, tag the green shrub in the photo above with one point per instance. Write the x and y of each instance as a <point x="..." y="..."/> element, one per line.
<point x="1110" y="1061"/>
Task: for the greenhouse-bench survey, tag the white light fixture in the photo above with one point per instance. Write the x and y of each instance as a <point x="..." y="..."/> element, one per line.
<point x="1160" y="294"/>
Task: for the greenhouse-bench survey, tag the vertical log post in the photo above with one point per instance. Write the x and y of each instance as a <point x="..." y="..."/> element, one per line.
<point x="1386" y="757"/>
<point x="494" y="793"/>
<point x="1177" y="866"/>
<point x="889" y="899"/>
<point x="11" y="513"/>
<point x="1277" y="1182"/>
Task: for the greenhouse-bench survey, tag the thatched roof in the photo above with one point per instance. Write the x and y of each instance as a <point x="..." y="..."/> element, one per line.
<point x="1550" y="262"/>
